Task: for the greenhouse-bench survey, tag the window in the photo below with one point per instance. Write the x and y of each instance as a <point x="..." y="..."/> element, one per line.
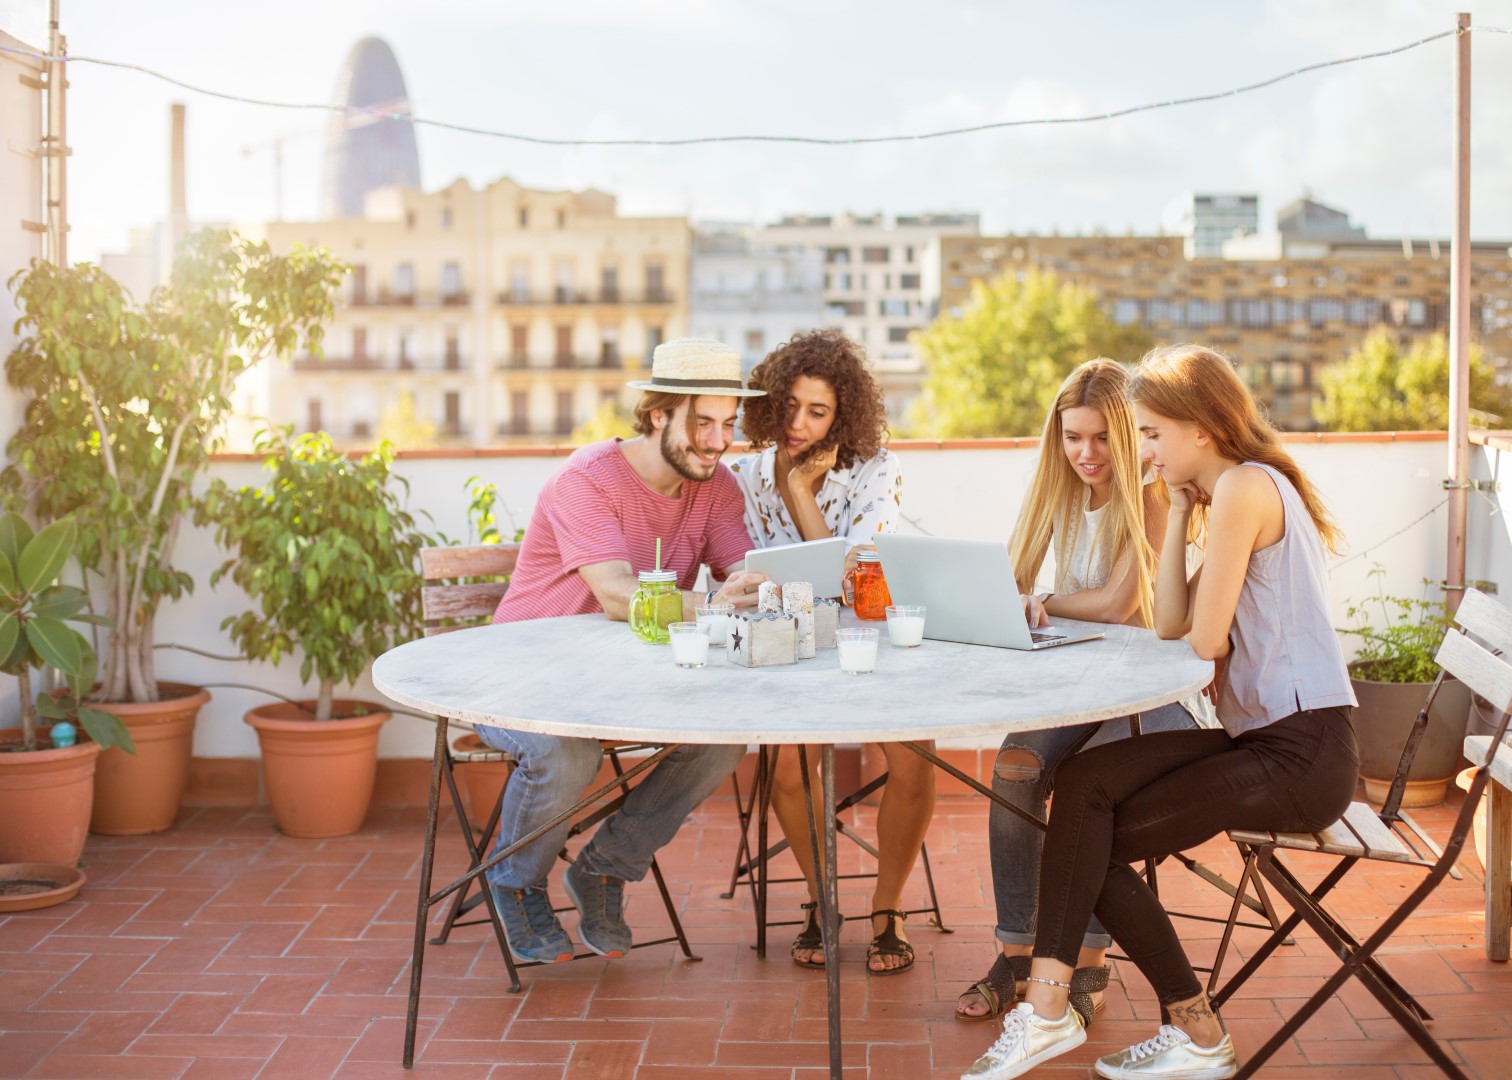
<point x="1322" y="310"/>
<point x="453" y="351"/>
<point x="561" y="219"/>
<point x="446" y="217"/>
<point x="451" y="281"/>
<point x="561" y="276"/>
<point x="519" y="282"/>
<point x="519" y="344"/>
<point x="564" y="412"/>
<point x="908" y="281"/>
<point x="359" y="285"/>
<point x="896" y="334"/>
<point x="843" y="282"/>
<point x="653" y="339"/>
<point x="893" y="308"/>
<point x="524" y="217"/>
<point x="755" y="343"/>
<point x="1204" y="313"/>
<point x="656" y="287"/>
<point x="409" y="219"/>
<point x="840" y="309"/>
<point x="1157" y="311"/>
<point x="406" y="361"/>
<point x="359" y="343"/>
<point x="609" y="284"/>
<point x="875" y="254"/>
<point x="609" y="354"/>
<point x="1126" y="312"/>
<point x="837" y="255"/>
<point x="1363" y="312"/>
<point x="908" y="254"/>
<point x="519" y="412"/>
<point x="1417" y="312"/>
<point x="313" y="420"/>
<point x="452" y="403"/>
<point x="1284" y="311"/>
<point x="564" y="346"/>
<point x="404" y="281"/>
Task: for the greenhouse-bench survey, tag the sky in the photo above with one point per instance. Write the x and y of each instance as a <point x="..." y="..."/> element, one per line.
<point x="1372" y="138"/>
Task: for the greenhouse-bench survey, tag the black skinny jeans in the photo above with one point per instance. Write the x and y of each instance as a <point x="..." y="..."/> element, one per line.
<point x="1142" y="798"/>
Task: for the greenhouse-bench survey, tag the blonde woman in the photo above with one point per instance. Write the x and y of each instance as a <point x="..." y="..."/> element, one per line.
<point x="1091" y="503"/>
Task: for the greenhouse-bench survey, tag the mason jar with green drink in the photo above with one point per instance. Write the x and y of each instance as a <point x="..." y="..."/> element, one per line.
<point x="657" y="604"/>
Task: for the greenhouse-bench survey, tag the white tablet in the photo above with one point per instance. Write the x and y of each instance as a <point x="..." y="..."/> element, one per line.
<point x="821" y="562"/>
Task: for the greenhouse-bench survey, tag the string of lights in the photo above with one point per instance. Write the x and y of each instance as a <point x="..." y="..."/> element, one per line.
<point x="791" y="139"/>
<point x="1405" y="528"/>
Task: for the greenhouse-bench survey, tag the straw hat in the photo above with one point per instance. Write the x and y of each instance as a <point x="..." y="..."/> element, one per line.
<point x="696" y="366"/>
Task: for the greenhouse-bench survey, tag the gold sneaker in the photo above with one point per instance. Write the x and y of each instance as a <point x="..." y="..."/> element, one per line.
<point x="1027" y="1040"/>
<point x="1171" y="1053"/>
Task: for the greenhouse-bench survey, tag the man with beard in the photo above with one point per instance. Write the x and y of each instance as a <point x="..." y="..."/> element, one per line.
<point x="596" y="524"/>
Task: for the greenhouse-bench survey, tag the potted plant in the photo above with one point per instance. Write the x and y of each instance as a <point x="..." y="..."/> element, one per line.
<point x="1399" y="637"/>
<point x="46" y="785"/>
<point x="329" y="553"/>
<point x="127" y="401"/>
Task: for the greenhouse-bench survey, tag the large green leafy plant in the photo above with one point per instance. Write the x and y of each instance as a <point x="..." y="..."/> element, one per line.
<point x="127" y="402"/>
<point x="1399" y="636"/>
<point x="329" y="553"/>
<point x="35" y="612"/>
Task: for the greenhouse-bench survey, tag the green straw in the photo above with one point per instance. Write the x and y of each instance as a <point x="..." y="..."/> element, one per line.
<point x="658" y="554"/>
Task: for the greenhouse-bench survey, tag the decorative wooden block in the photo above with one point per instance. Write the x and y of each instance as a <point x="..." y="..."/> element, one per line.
<point x="798" y="601"/>
<point x="764" y="639"/>
<point x="769" y="597"/>
<point x="826" y="622"/>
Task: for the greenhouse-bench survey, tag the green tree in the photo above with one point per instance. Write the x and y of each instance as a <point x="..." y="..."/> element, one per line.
<point x="994" y="370"/>
<point x="1382" y="387"/>
<point x="609" y="421"/>
<point x="401" y="425"/>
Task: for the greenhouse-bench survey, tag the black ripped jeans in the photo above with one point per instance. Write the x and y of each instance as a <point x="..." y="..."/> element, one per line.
<point x="1159" y="794"/>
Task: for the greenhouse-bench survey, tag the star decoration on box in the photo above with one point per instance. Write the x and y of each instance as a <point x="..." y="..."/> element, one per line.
<point x="735" y="640"/>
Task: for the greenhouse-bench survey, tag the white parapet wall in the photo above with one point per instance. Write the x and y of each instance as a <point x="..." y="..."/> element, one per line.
<point x="1385" y="492"/>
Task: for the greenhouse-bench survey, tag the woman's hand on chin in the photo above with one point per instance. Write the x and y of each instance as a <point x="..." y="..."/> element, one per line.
<point x="812" y="467"/>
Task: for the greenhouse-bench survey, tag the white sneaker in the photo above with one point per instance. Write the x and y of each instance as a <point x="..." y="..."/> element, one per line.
<point x="1027" y="1040"/>
<point x="1171" y="1053"/>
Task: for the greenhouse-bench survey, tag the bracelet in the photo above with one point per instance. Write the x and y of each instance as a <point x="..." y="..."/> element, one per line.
<point x="709" y="598"/>
<point x="1048" y="982"/>
<point x="1044" y="598"/>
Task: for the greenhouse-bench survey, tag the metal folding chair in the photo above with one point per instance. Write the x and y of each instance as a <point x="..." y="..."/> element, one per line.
<point x="1364" y="834"/>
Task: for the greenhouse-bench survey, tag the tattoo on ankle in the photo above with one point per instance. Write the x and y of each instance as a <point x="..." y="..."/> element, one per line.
<point x="1195" y="1013"/>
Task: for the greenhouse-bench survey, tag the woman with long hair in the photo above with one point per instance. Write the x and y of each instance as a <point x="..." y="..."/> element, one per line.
<point x="1283" y="761"/>
<point x="821" y="470"/>
<point x="1091" y="503"/>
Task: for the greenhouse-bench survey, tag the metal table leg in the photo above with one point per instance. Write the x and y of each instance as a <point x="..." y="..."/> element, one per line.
<point x="829" y="900"/>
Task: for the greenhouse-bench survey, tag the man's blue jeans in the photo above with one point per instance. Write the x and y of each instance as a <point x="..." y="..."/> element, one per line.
<point x="551" y="774"/>
<point x="1015" y="845"/>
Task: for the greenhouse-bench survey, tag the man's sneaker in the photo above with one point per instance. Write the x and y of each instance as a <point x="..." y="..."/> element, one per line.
<point x="531" y="928"/>
<point x="600" y="901"/>
<point x="1171" y="1053"/>
<point x="1027" y="1040"/>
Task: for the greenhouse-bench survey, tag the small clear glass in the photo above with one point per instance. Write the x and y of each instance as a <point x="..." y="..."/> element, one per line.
<point x="690" y="644"/>
<point x="716" y="619"/>
<point x="858" y="649"/>
<point x="905" y="625"/>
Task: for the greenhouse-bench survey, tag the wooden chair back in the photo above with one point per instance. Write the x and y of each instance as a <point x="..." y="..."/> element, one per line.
<point x="461" y="584"/>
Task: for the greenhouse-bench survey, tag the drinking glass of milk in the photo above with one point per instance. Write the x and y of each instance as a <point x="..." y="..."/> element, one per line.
<point x="858" y="649"/>
<point x="905" y="625"/>
<point x="690" y="644"/>
<point x="715" y="618"/>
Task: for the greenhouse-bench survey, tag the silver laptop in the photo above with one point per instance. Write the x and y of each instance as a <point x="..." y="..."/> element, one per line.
<point x="968" y="587"/>
<point x="821" y="562"/>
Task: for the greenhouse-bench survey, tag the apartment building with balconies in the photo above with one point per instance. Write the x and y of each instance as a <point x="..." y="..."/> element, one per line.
<point x="509" y="314"/>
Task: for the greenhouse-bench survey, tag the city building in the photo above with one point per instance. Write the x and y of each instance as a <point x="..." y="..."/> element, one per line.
<point x="366" y="147"/>
<point x="1206" y="221"/>
<point x="23" y="228"/>
<point x="506" y="314"/>
<point x="1283" y="305"/>
<point x="749" y="297"/>
<point x="874" y="287"/>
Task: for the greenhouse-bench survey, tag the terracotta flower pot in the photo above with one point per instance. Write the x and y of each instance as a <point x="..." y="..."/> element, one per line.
<point x="45" y="799"/>
<point x="482" y="781"/>
<point x="140" y="793"/>
<point x="1382" y="723"/>
<point x="318" y="773"/>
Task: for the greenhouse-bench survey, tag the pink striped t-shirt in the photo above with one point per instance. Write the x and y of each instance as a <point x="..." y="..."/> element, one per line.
<point x="596" y="509"/>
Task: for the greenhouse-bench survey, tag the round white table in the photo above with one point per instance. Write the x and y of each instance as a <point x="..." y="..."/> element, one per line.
<point x="585" y="676"/>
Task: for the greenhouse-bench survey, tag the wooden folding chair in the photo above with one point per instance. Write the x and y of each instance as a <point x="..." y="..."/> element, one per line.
<point x="463" y="587"/>
<point x="1364" y="834"/>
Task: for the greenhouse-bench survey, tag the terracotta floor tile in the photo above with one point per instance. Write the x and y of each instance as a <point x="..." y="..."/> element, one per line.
<point x="60" y="1066"/>
<point x="306" y="1057"/>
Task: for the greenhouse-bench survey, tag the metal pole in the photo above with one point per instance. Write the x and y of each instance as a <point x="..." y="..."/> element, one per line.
<point x="55" y="144"/>
<point x="1459" y="323"/>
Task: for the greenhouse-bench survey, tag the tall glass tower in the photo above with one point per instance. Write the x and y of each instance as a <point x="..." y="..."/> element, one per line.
<point x="365" y="151"/>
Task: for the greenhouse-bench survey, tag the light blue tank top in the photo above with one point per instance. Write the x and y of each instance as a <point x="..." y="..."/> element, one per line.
<point x="1286" y="657"/>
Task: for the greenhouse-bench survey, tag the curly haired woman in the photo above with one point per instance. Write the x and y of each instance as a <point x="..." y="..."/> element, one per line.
<point x="821" y="471"/>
